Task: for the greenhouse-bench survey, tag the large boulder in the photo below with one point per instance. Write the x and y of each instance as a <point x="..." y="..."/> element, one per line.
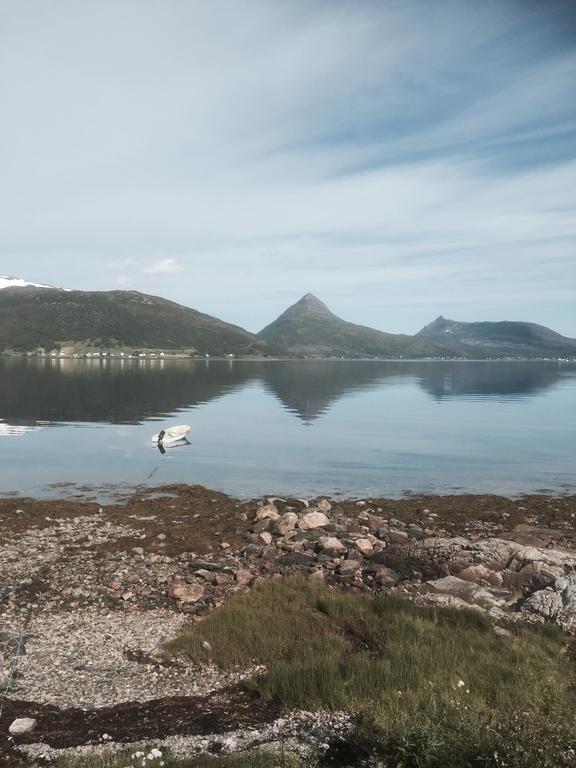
<point x="330" y="545"/>
<point x="364" y="546"/>
<point x="267" y="512"/>
<point x="465" y="590"/>
<point x="312" y="520"/>
<point x="285" y="524"/>
<point x="555" y="602"/>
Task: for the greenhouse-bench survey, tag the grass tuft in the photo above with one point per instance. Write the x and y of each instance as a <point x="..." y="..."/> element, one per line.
<point x="435" y="687"/>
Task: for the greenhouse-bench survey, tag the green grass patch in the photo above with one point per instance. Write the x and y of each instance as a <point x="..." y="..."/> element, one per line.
<point x="255" y="759"/>
<point x="435" y="687"/>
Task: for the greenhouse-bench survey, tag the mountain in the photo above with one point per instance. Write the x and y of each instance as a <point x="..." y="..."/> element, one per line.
<point x="17" y="282"/>
<point x="33" y="316"/>
<point x="498" y="339"/>
<point x="310" y="328"/>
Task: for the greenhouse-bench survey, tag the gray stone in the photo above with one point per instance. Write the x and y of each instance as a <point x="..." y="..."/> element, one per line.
<point x="267" y="512"/>
<point x="22" y="725"/>
<point x="364" y="546"/>
<point x="556" y="602"/>
<point x="186" y="593"/>
<point x="313" y="520"/>
<point x="284" y="524"/>
<point x="331" y="545"/>
<point x="452" y="585"/>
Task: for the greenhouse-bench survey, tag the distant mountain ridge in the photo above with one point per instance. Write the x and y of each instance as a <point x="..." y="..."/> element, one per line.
<point x="505" y="338"/>
<point x="309" y="328"/>
<point x="33" y="317"/>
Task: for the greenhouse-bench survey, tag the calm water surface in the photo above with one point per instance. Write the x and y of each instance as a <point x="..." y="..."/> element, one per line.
<point x="306" y="427"/>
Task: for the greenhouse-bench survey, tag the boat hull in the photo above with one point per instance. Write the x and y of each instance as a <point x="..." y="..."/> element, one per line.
<point x="172" y="435"/>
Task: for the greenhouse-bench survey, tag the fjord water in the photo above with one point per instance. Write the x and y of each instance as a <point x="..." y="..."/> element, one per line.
<point x="307" y="427"/>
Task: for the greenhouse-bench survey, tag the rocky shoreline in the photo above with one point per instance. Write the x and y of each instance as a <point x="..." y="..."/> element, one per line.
<point x="89" y="595"/>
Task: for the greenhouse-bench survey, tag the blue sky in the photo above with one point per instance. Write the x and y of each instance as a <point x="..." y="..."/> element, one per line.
<point x="400" y="159"/>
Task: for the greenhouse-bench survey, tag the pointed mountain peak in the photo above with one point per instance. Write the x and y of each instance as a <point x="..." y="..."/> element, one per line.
<point x="440" y="324"/>
<point x="310" y="304"/>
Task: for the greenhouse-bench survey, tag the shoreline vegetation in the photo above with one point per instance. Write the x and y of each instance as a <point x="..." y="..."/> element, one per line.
<point x="168" y="354"/>
<point x="198" y="630"/>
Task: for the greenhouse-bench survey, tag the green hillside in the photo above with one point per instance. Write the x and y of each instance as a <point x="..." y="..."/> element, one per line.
<point x="42" y="317"/>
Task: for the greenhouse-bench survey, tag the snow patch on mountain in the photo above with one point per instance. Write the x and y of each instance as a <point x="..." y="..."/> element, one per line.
<point x="18" y="282"/>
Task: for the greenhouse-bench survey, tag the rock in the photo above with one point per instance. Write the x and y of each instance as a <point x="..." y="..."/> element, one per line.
<point x="463" y="589"/>
<point x="243" y="577"/>
<point x="331" y="545"/>
<point x="22" y="725"/>
<point x="265" y="538"/>
<point x="313" y="520"/>
<point x="186" y="593"/>
<point x="268" y="512"/>
<point x="262" y="525"/>
<point x="203" y="573"/>
<point x="349" y="566"/>
<point x="364" y="546"/>
<point x="480" y="574"/>
<point x="317" y="575"/>
<point x="386" y="577"/>
<point x="443" y="601"/>
<point x="396" y="536"/>
<point x="533" y="575"/>
<point x="324" y="505"/>
<point x="375" y="523"/>
<point x="284" y="524"/>
<point x="222" y="579"/>
<point x="556" y="602"/>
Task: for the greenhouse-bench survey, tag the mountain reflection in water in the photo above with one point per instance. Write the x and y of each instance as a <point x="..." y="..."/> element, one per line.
<point x="290" y="427"/>
<point x="130" y="392"/>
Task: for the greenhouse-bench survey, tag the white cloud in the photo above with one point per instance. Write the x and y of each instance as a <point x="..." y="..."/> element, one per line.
<point x="163" y="267"/>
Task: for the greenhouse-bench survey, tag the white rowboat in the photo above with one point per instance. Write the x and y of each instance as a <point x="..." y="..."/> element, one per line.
<point x="172" y="435"/>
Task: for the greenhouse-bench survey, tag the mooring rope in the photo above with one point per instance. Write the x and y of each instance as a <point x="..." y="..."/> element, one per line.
<point x="16" y="657"/>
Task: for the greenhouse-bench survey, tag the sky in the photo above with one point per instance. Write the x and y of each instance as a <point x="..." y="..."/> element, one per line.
<point x="401" y="159"/>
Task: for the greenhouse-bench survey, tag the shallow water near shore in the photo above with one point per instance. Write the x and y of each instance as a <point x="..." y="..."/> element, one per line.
<point x="356" y="428"/>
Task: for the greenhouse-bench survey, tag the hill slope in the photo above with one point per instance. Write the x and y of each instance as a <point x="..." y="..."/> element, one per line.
<point x="498" y="339"/>
<point x="310" y="328"/>
<point x="32" y="317"/>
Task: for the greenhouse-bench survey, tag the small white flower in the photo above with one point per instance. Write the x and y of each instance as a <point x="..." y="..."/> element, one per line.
<point x="155" y="752"/>
<point x="460" y="684"/>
